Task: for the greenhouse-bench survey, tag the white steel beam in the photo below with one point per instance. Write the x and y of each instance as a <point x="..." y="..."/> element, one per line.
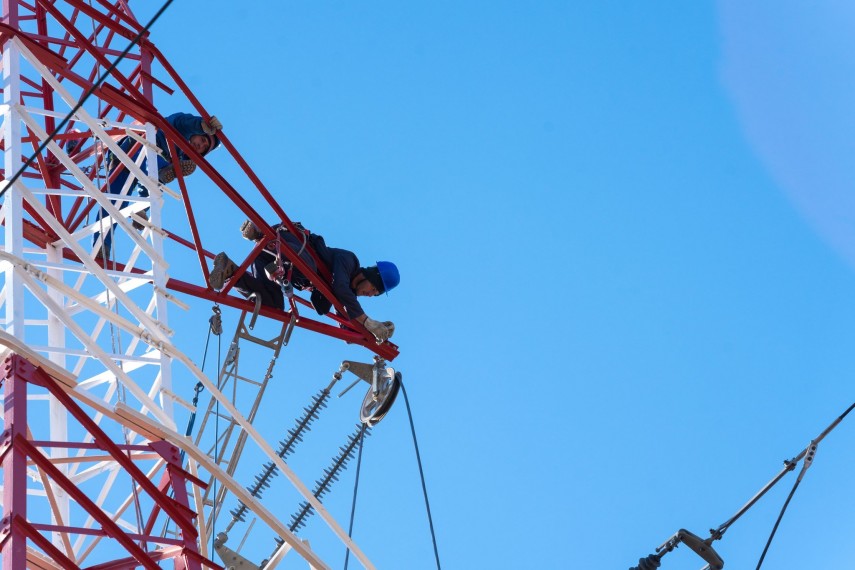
<point x="61" y="510"/>
<point x="13" y="206"/>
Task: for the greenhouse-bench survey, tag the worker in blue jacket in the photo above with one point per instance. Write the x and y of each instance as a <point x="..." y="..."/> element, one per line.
<point x="201" y="134"/>
<point x="349" y="279"/>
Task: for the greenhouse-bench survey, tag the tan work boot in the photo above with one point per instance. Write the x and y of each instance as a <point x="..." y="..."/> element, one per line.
<point x="137" y="225"/>
<point x="167" y="173"/>
<point x="249" y="231"/>
<point x="103" y="252"/>
<point x="223" y="269"/>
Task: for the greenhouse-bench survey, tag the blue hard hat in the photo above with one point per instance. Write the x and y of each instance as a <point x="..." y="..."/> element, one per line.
<point x="388" y="274"/>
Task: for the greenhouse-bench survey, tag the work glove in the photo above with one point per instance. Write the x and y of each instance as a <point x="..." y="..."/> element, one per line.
<point x="212" y="125"/>
<point x="381" y="331"/>
<point x="249" y="231"/>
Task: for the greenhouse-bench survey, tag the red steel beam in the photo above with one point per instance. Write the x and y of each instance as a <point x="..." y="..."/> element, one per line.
<point x="29" y="531"/>
<point x="387" y="350"/>
<point x="102" y="533"/>
<point x="13" y="545"/>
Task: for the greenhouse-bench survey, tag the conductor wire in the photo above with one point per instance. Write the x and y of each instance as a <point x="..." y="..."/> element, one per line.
<point x="422" y="475"/>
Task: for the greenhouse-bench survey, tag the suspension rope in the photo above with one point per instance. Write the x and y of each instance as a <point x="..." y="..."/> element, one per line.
<point x="126" y="432"/>
<point x="355" y="489"/>
<point x="86" y="96"/>
<point x="115" y="334"/>
<point x="215" y="326"/>
<point x="214" y="509"/>
<point x="96" y="148"/>
<point x="421" y="474"/>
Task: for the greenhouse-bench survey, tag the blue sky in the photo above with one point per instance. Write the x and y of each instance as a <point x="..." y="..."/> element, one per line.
<point x="625" y="233"/>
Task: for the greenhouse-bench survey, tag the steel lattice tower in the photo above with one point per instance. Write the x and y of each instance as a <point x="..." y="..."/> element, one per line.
<point x="91" y="468"/>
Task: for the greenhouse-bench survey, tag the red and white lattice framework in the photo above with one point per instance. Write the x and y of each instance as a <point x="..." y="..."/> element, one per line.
<point x="90" y="475"/>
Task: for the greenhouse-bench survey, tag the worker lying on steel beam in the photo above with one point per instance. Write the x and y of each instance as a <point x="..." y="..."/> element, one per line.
<point x="265" y="278"/>
<point x="201" y="134"/>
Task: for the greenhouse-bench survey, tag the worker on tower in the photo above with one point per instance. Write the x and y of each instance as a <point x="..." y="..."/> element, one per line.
<point x="349" y="279"/>
<point x="201" y="134"/>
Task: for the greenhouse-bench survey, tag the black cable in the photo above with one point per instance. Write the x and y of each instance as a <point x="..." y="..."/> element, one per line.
<point x="86" y="96"/>
<point x="421" y="474"/>
<point x="197" y="390"/>
<point x="777" y="522"/>
<point x="807" y="454"/>
<point x="355" y="489"/>
<point x="789" y="465"/>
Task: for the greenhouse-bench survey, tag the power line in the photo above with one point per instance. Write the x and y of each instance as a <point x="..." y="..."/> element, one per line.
<point x="704" y="547"/>
<point x="422" y="474"/>
<point x="355" y="489"/>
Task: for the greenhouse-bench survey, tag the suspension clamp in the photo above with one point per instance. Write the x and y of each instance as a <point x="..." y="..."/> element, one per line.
<point x="809" y="456"/>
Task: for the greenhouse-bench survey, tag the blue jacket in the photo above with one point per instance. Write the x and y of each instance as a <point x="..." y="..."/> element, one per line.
<point x="344" y="265"/>
<point x="185" y="123"/>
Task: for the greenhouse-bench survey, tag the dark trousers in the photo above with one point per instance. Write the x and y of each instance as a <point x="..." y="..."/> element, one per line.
<point x="255" y="279"/>
<point x="118" y="183"/>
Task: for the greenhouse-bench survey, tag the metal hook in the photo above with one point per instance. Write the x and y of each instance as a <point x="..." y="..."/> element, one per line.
<point x="255" y="312"/>
<point x="216" y="321"/>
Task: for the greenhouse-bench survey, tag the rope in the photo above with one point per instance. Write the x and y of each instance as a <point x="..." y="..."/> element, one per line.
<point x="122" y="395"/>
<point x="215" y="509"/>
<point x="355" y="489"/>
<point x="115" y="335"/>
<point x="86" y="96"/>
<point x="305" y="241"/>
<point x="421" y="474"/>
<point x="96" y="147"/>
<point x="213" y="326"/>
<point x="199" y="386"/>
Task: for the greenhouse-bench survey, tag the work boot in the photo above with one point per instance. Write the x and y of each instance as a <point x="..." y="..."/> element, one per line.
<point x="103" y="252"/>
<point x="223" y="269"/>
<point x="137" y="225"/>
<point x="72" y="145"/>
<point x="167" y="173"/>
<point x="249" y="231"/>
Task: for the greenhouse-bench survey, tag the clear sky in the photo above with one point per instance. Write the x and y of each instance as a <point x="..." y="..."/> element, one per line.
<point x="626" y="233"/>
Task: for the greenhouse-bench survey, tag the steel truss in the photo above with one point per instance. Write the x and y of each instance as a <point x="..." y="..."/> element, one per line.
<point x="90" y="348"/>
<point x="23" y="456"/>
